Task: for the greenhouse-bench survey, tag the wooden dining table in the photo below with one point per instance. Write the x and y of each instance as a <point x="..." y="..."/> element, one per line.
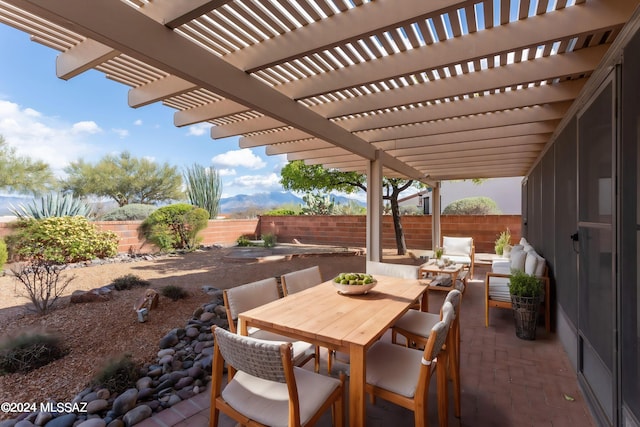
<point x="347" y="323"/>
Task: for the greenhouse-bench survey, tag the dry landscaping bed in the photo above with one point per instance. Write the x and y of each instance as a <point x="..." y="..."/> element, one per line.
<point x="95" y="332"/>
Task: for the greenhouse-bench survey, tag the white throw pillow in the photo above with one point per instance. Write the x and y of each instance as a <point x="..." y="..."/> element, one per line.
<point x="518" y="259"/>
<point x="531" y="262"/>
<point x="540" y="266"/>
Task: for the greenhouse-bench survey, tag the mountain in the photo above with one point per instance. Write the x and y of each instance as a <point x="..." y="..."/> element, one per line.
<point x="7" y="201"/>
<point x="265" y="201"/>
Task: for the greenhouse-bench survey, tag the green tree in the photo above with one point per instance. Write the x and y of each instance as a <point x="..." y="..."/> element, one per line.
<point x="204" y="188"/>
<point x="472" y="206"/>
<point x="22" y="174"/>
<point x="298" y="176"/>
<point x="125" y="179"/>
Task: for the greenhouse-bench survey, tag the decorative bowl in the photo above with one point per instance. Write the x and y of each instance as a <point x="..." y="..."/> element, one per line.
<point x="354" y="283"/>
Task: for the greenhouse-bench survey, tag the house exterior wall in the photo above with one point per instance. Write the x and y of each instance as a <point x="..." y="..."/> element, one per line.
<point x="554" y="208"/>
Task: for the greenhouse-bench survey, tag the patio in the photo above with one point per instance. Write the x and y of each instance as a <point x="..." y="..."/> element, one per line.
<point x="505" y="381"/>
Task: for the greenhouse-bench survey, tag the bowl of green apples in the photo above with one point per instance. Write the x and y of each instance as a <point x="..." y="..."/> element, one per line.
<point x="354" y="283"/>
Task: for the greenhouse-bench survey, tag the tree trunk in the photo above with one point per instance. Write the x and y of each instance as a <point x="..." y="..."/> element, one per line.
<point x="397" y="225"/>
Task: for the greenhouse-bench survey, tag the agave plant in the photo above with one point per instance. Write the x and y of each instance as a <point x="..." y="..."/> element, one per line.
<point x="52" y="205"/>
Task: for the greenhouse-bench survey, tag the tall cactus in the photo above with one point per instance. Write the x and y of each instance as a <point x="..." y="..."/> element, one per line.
<point x="204" y="188"/>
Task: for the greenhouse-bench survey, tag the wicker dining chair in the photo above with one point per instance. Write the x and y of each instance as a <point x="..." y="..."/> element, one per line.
<point x="252" y="295"/>
<point x="265" y="388"/>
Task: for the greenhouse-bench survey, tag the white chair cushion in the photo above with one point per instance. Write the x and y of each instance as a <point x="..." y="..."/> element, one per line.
<point x="457" y="245"/>
<point x="268" y="402"/>
<point x="402" y="271"/>
<point x="394" y="368"/>
<point x="417" y="322"/>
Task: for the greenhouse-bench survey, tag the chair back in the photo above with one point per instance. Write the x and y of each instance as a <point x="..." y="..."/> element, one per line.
<point x="300" y="280"/>
<point x="402" y="271"/>
<point x="259" y="358"/>
<point x="454" y="297"/>
<point x="248" y="296"/>
<point x="438" y="334"/>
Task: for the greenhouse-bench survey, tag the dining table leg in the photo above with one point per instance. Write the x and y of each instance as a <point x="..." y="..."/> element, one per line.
<point x="357" y="379"/>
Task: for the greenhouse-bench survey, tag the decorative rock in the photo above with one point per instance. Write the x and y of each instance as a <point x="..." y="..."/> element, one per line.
<point x="116" y="423"/>
<point x="164" y="385"/>
<point x="24" y="423"/>
<point x="165" y="352"/>
<point x="137" y="414"/>
<point x="220" y="311"/>
<point x="169" y="340"/>
<point x="197" y="312"/>
<point x="174" y="399"/>
<point x="146" y="393"/>
<point x="94" y="295"/>
<point x="177" y="375"/>
<point x="185" y="393"/>
<point x="166" y="359"/>
<point x="103" y="393"/>
<point x="125" y="402"/>
<point x="144" y="382"/>
<point x="42" y="418"/>
<point x="155" y="372"/>
<point x="193" y="332"/>
<point x="96" y="406"/>
<point x="93" y="422"/>
<point x="194" y="372"/>
<point x="90" y="396"/>
<point x="206" y="316"/>
<point x="65" y="420"/>
<point x="183" y="382"/>
<point x="8" y="423"/>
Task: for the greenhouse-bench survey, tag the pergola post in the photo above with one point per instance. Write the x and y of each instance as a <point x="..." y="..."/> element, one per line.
<point x="435" y="223"/>
<point x="374" y="209"/>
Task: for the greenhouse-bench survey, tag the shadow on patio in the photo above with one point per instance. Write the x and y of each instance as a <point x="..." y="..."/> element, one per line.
<point x="506" y="381"/>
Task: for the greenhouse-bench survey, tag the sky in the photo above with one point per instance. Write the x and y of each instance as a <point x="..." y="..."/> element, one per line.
<point x="87" y="117"/>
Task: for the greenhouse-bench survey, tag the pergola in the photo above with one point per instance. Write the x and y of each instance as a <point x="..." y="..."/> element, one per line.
<point x="425" y="90"/>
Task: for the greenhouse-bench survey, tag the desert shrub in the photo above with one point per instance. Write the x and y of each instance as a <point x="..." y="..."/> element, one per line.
<point x="53" y="205"/>
<point x="175" y="227"/>
<point x="61" y="240"/>
<point x="130" y="212"/>
<point x="472" y="206"/>
<point x="269" y="240"/>
<point x="42" y="282"/>
<point x="281" y="212"/>
<point x="243" y="241"/>
<point x="3" y="254"/>
<point x="174" y="292"/>
<point x="129" y="281"/>
<point x="117" y="374"/>
<point x="28" y="351"/>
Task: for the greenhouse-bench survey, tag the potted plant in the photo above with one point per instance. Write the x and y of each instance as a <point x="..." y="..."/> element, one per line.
<point x="503" y="241"/>
<point x="525" y="290"/>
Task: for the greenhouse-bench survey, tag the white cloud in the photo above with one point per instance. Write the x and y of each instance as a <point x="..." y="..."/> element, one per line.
<point x="258" y="183"/>
<point x="239" y="158"/>
<point x="226" y="172"/>
<point x="198" y="129"/>
<point x="45" y="138"/>
<point x="138" y="122"/>
<point x="122" y="133"/>
<point x="89" y="127"/>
